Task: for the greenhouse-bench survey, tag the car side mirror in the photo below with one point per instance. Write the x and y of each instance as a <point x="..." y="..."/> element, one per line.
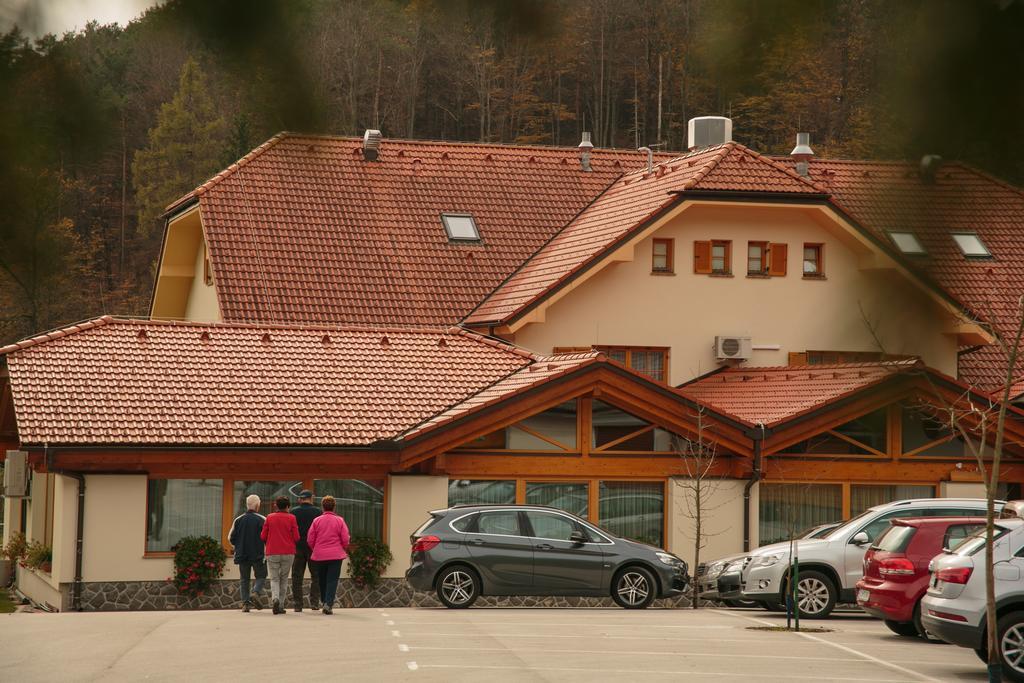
<point x="577" y="537"/>
<point x="860" y="538"/>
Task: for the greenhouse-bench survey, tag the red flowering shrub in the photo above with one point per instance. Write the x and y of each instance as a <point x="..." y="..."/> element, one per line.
<point x="198" y="562"/>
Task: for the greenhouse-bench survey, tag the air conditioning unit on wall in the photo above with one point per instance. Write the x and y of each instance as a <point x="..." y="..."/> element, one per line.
<point x="16" y="474"/>
<point x="732" y="348"/>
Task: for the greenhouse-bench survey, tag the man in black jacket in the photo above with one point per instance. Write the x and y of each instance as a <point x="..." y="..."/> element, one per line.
<point x="249" y="555"/>
<point x="305" y="512"/>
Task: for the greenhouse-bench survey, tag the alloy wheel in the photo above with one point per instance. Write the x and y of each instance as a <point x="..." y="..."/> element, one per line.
<point x="458" y="587"/>
<point x="633" y="588"/>
<point x="1012" y="645"/>
<point x="811" y="595"/>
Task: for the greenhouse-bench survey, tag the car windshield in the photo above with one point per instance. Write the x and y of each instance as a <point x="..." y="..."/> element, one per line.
<point x="818" y="530"/>
<point x="976" y="541"/>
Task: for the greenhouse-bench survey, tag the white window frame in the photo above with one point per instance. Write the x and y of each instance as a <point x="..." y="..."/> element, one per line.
<point x="451" y="232"/>
<point x="985" y="253"/>
<point x="917" y="248"/>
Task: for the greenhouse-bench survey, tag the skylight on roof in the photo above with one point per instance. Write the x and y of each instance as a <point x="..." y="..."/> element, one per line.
<point x="460" y="226"/>
<point x="970" y="244"/>
<point x="906" y="242"/>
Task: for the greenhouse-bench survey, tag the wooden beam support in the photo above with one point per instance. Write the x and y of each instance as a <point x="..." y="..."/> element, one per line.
<point x="595" y="467"/>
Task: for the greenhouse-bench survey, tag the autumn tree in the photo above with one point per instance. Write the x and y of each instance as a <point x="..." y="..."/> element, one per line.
<point x="185" y="147"/>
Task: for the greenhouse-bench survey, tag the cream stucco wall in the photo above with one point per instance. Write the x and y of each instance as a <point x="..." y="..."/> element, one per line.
<point x="721" y="518"/>
<point x="624" y="304"/>
<point x="65" y="529"/>
<point x="961" y="489"/>
<point x="409" y="500"/>
<point x="202" y="303"/>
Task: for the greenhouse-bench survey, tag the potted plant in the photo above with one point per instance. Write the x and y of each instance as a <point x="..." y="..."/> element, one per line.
<point x="368" y="558"/>
<point x="39" y="556"/>
<point x="198" y="562"/>
<point x="14" y="554"/>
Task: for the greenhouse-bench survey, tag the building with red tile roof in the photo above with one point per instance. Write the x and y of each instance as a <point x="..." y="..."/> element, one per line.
<point x="405" y="327"/>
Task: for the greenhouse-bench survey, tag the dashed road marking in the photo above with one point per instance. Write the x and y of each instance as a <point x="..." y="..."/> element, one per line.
<point x="402" y="647"/>
<point x="412" y="666"/>
<point x="385" y="614"/>
<point x="648" y="672"/>
<point x="673" y="653"/>
<point x="390" y="622"/>
<point x="396" y="634"/>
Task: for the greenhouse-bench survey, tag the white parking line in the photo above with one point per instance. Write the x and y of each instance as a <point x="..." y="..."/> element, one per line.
<point x="385" y="614"/>
<point x="648" y="672"/>
<point x="675" y="653"/>
<point x="630" y="625"/>
<point x="592" y="636"/>
<point x="396" y="634"/>
<point x="412" y="666"/>
<point x="390" y="622"/>
<point x="402" y="647"/>
<point x="864" y="655"/>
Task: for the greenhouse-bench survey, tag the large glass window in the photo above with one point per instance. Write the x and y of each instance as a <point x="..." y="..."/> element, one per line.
<point x="864" y="496"/>
<point x="268" y="491"/>
<point x="865" y="435"/>
<point x="571" y="497"/>
<point x="790" y="508"/>
<point x="479" y="492"/>
<point x="650" y="361"/>
<point x="633" y="509"/>
<point x="613" y="429"/>
<point x="550" y="525"/>
<point x="499" y="522"/>
<point x="552" y="430"/>
<point x="927" y="432"/>
<point x="359" y="501"/>
<point x="182" y="507"/>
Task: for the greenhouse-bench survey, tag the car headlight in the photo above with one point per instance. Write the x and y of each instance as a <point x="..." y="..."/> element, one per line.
<point x="766" y="560"/>
<point x="714" y="570"/>
<point x="669" y="559"/>
<point x="734" y="566"/>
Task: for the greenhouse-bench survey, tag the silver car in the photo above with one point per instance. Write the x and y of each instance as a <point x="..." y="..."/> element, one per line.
<point x="954" y="607"/>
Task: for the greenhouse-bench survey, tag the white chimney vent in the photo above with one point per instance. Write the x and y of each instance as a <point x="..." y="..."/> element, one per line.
<point x="371" y="144"/>
<point x="803" y="154"/>
<point x="705" y="131"/>
<point x="585" y="146"/>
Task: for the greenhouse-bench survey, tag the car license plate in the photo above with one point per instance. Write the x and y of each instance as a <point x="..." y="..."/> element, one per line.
<point x="863" y="594"/>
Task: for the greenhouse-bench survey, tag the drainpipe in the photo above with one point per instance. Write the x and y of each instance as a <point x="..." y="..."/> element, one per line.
<point x="755" y="476"/>
<point x="76" y="589"/>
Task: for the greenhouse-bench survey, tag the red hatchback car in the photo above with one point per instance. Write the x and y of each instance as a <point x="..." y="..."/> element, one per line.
<point x="896" y="568"/>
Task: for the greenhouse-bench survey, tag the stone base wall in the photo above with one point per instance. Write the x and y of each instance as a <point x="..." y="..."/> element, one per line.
<point x="159" y="595"/>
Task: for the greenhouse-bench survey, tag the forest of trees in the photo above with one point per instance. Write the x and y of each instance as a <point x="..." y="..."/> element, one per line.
<point x="102" y="128"/>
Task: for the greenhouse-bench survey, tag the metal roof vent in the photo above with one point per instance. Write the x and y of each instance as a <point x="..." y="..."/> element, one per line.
<point x="803" y="154"/>
<point x="705" y="131"/>
<point x="586" y="146"/>
<point x="371" y="144"/>
<point x="930" y="167"/>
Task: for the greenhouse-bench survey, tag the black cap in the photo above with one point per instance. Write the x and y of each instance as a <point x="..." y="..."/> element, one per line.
<point x="305" y="493"/>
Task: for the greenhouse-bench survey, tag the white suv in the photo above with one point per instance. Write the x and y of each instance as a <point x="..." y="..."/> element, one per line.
<point x="831" y="566"/>
<point x="954" y="607"/>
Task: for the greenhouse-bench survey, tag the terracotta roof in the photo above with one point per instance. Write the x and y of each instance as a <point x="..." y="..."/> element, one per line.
<point x="884" y="196"/>
<point x="304" y="230"/>
<point x="544" y="369"/>
<point x="125" y="382"/>
<point x="768" y="396"/>
<point x="627" y="207"/>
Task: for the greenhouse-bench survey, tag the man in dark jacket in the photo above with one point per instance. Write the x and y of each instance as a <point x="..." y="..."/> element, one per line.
<point x="249" y="554"/>
<point x="305" y="512"/>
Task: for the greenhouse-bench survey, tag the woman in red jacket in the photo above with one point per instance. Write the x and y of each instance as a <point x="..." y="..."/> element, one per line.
<point x="328" y="538"/>
<point x="280" y="532"/>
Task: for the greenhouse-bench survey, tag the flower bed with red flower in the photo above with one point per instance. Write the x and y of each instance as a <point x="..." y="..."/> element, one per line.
<point x="198" y="562"/>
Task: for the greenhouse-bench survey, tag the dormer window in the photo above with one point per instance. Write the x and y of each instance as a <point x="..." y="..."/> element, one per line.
<point x="907" y="242"/>
<point x="460" y="227"/>
<point x="971" y="245"/>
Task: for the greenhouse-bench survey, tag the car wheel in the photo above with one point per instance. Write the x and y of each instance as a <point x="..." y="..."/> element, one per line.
<point x="919" y="626"/>
<point x="633" y="588"/>
<point x="740" y="603"/>
<point x="458" y="587"/>
<point x="815" y="595"/>
<point x="773" y="606"/>
<point x="907" y="629"/>
<point x="982" y="653"/>
<point x="1011" y="645"/>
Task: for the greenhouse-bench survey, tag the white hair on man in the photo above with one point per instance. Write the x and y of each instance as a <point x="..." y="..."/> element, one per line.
<point x="252" y="502"/>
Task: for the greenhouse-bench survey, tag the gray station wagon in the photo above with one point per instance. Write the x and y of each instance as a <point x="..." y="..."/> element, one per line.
<point x="467" y="551"/>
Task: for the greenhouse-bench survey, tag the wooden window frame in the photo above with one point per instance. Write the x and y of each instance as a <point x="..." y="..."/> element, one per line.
<point x="764" y="247"/>
<point x="669" y="267"/>
<point x="207" y="267"/>
<point x="727" y="258"/>
<point x="629" y="350"/>
<point x="847" y="488"/>
<point x="819" y="274"/>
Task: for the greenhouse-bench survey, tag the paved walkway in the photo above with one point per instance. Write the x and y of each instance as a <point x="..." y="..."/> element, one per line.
<point x="465" y="645"/>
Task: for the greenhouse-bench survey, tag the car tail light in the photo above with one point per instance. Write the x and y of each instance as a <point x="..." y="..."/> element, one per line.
<point x="895" y="567"/>
<point x="425" y="543"/>
<point x="946" y="615"/>
<point x="954" y="575"/>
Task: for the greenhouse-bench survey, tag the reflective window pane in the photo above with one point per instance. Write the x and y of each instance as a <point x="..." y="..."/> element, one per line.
<point x="633" y="509"/>
<point x="499" y="522"/>
<point x="569" y="497"/>
<point x="268" y="491"/>
<point x="557" y="424"/>
<point x="547" y="525"/>
<point x="787" y="509"/>
<point x="182" y="507"/>
<point x="864" y="496"/>
<point x="360" y="502"/>
<point x="922" y="427"/>
<point x="470" y="492"/>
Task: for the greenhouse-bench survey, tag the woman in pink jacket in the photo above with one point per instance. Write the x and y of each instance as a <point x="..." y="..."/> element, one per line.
<point x="328" y="538"/>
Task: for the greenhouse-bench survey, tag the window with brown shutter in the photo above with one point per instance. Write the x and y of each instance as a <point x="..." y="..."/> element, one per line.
<point x="721" y="257"/>
<point x="777" y="254"/>
<point x="702" y="257"/>
<point x="661" y="256"/>
<point x="757" y="258"/>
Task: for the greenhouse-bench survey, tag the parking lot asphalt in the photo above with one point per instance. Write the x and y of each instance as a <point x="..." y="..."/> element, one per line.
<point x="411" y="644"/>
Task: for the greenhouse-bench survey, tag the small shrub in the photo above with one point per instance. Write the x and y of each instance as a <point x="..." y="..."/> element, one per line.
<point x="368" y="558"/>
<point x="38" y="556"/>
<point x="198" y="562"/>
<point x="16" y="548"/>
